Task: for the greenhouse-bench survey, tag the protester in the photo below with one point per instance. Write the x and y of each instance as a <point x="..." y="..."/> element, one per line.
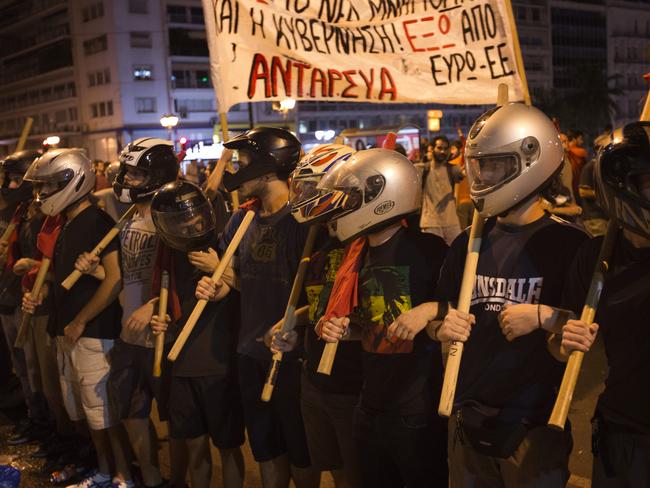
<point x="268" y="257"/>
<point x="205" y="401"/>
<point x="14" y="200"/>
<point x="106" y="198"/>
<point x="577" y="155"/>
<point x="85" y="318"/>
<point x="621" y="427"/>
<point x="400" y="440"/>
<point x="438" y="202"/>
<point x="327" y="401"/>
<point x="101" y="180"/>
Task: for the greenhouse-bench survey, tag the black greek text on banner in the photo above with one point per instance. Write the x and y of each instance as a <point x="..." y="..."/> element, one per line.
<point x="445" y="51"/>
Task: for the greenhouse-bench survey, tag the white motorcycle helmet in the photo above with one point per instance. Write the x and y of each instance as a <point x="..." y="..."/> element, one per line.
<point x="307" y="203"/>
<point x="512" y="152"/>
<point x="369" y="190"/>
<point x="61" y="177"/>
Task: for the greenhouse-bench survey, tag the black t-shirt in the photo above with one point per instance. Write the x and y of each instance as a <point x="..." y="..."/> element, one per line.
<point x="399" y="377"/>
<point x="80" y="235"/>
<point x="523" y="264"/>
<point x="266" y="263"/>
<point x="345" y="378"/>
<point x="622" y="315"/>
<point x="210" y="348"/>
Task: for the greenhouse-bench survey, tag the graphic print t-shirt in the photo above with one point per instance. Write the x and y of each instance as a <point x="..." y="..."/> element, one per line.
<point x="622" y="315"/>
<point x="265" y="263"/>
<point x="345" y="378"/>
<point x="525" y="264"/>
<point x="400" y="377"/>
<point x="138" y="242"/>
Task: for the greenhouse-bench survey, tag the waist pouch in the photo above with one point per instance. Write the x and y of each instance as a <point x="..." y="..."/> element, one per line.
<point x="484" y="429"/>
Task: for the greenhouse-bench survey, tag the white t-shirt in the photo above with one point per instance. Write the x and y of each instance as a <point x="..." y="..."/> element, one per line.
<point x="139" y="243"/>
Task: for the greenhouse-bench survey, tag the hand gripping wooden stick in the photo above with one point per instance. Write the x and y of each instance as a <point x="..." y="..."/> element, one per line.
<point x="565" y="395"/>
<point x="162" y="311"/>
<point x="289" y="321"/>
<point x="456" y="347"/>
<point x="36" y="289"/>
<point x="7" y="233"/>
<point x="216" y="276"/>
<point x="110" y="235"/>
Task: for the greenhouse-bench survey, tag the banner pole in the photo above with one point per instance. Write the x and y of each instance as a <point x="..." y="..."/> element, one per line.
<point x="518" y="57"/>
<point x="223" y="119"/>
<point x="23" y="135"/>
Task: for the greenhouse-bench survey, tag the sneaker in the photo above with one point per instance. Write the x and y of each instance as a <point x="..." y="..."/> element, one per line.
<point x="118" y="483"/>
<point x="33" y="432"/>
<point x="95" y="480"/>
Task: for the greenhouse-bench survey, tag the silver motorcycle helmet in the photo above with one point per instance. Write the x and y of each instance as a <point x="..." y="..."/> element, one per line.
<point x="511" y="154"/>
<point x="371" y="189"/>
<point x="60" y="177"/>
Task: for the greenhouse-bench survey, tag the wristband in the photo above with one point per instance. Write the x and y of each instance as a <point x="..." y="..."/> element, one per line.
<point x="539" y="316"/>
<point x="443" y="308"/>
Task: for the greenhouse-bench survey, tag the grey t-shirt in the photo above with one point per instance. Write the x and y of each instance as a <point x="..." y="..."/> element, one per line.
<point x="438" y="202"/>
<point x="139" y="242"/>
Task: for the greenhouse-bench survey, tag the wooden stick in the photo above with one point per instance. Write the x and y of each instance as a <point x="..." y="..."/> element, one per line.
<point x="223" y="118"/>
<point x="327" y="358"/>
<point x="216" y="276"/>
<point x="7" y="233"/>
<point x="162" y="312"/>
<point x="570" y="378"/>
<point x="502" y="95"/>
<point x="36" y="290"/>
<point x="23" y="135"/>
<point x="73" y="277"/>
<point x="464" y="300"/>
<point x="289" y="320"/>
<point x="518" y="57"/>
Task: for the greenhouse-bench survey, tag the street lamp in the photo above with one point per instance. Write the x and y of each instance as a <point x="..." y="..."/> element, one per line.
<point x="169" y="121"/>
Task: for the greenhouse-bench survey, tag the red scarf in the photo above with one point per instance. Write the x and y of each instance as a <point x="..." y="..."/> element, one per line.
<point x="344" y="297"/>
<point x="45" y="242"/>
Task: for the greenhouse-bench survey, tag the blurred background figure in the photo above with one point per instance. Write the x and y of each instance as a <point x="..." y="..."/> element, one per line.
<point x="101" y="180"/>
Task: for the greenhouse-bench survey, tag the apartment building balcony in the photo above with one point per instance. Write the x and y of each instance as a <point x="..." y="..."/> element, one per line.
<point x="22" y="12"/>
<point x="17" y="47"/>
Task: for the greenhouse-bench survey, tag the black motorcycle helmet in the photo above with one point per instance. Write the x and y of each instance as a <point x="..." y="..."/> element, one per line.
<point x="15" y="166"/>
<point x="623" y="179"/>
<point x="272" y="150"/>
<point x="183" y="216"/>
<point x="157" y="161"/>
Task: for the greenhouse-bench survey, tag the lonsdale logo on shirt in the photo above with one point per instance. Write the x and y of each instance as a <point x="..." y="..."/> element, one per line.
<point x="495" y="292"/>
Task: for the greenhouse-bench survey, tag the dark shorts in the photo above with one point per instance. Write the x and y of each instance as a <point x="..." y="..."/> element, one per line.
<point x="328" y="421"/>
<point x="131" y="384"/>
<point x="206" y="405"/>
<point x="395" y="450"/>
<point x="274" y="428"/>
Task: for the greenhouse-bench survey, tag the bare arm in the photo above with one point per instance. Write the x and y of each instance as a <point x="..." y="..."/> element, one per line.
<point x="106" y="293"/>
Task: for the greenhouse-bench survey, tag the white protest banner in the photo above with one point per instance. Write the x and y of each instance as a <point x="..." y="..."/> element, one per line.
<point x="445" y="51"/>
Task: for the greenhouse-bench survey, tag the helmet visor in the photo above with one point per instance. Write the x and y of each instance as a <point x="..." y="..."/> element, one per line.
<point x="490" y="172"/>
<point x="304" y="189"/>
<point x="186" y="224"/>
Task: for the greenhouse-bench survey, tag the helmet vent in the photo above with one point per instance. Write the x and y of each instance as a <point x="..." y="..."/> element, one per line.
<point x="80" y="183"/>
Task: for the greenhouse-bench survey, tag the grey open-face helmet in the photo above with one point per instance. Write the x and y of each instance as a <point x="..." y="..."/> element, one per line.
<point x="69" y="174"/>
<point x="512" y="153"/>
<point x="370" y="190"/>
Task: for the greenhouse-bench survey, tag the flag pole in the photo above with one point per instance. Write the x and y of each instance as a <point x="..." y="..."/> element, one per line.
<point x="519" y="60"/>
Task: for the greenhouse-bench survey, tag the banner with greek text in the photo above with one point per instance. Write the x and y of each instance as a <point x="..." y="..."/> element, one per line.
<point x="443" y="51"/>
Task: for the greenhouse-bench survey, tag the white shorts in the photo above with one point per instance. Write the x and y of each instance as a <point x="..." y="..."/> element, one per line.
<point x="84" y="368"/>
